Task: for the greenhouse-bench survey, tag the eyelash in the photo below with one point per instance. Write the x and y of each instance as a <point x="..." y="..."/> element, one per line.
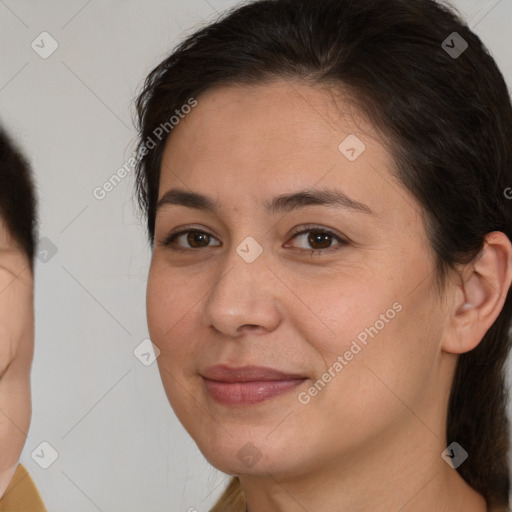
<point x="169" y="240"/>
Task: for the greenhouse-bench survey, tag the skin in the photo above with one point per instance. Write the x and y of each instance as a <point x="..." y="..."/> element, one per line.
<point x="382" y="418"/>
<point x="16" y="352"/>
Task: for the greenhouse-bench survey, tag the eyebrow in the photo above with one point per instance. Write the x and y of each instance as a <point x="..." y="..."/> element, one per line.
<point x="280" y="204"/>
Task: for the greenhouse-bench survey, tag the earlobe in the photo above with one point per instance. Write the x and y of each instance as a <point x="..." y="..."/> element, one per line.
<point x="481" y="294"/>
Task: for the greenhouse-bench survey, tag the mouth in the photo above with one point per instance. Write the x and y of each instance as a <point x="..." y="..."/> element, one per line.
<point x="249" y="384"/>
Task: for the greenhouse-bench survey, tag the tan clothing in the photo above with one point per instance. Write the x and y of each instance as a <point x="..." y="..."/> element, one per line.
<point x="21" y="495"/>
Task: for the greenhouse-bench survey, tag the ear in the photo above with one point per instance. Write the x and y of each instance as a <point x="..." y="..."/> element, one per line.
<point x="481" y="294"/>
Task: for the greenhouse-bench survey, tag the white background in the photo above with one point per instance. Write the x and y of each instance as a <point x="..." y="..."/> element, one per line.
<point x="120" y="446"/>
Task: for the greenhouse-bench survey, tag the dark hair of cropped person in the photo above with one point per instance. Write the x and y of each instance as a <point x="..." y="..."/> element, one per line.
<point x="18" y="201"/>
<point x="447" y="123"/>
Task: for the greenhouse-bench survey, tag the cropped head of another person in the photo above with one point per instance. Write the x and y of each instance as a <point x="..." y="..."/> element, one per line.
<point x="325" y="190"/>
<point x="17" y="246"/>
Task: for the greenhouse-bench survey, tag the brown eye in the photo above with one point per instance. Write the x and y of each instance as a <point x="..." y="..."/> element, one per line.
<point x="198" y="238"/>
<point x="320" y="240"/>
<point x="193" y="239"/>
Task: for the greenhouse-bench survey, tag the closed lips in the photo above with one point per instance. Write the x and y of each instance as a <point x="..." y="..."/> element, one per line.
<point x="247" y="385"/>
<point x="224" y="373"/>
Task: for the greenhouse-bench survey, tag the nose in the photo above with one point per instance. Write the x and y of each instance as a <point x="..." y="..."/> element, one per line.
<point x="245" y="297"/>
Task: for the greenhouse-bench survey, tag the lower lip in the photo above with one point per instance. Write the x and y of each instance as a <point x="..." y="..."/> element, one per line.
<point x="246" y="393"/>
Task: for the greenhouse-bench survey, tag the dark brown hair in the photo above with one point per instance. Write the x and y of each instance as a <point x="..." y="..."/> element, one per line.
<point x="447" y="118"/>
<point x="18" y="203"/>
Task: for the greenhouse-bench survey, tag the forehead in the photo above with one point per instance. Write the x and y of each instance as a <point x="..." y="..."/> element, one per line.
<point x="278" y="115"/>
<point x="246" y="144"/>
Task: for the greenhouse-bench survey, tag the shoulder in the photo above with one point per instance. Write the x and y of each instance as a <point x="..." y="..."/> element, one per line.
<point x="22" y="494"/>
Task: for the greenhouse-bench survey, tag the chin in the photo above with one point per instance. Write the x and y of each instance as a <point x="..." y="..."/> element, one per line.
<point x="244" y="454"/>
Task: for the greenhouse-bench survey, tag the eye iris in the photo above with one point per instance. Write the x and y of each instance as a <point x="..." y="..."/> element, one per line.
<point x="194" y="237"/>
<point x="316" y="237"/>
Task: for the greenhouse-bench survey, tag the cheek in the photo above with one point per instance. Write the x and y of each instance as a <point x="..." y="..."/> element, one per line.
<point x="155" y="306"/>
<point x="170" y="308"/>
<point x="16" y="406"/>
<point x="348" y="316"/>
<point x="163" y="300"/>
<point x="387" y="341"/>
<point x="16" y="325"/>
<point x="6" y="348"/>
<point x="165" y="309"/>
<point x="391" y="368"/>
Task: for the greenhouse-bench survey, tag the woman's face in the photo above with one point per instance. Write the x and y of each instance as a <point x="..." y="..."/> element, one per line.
<point x="242" y="287"/>
<point x="16" y="351"/>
